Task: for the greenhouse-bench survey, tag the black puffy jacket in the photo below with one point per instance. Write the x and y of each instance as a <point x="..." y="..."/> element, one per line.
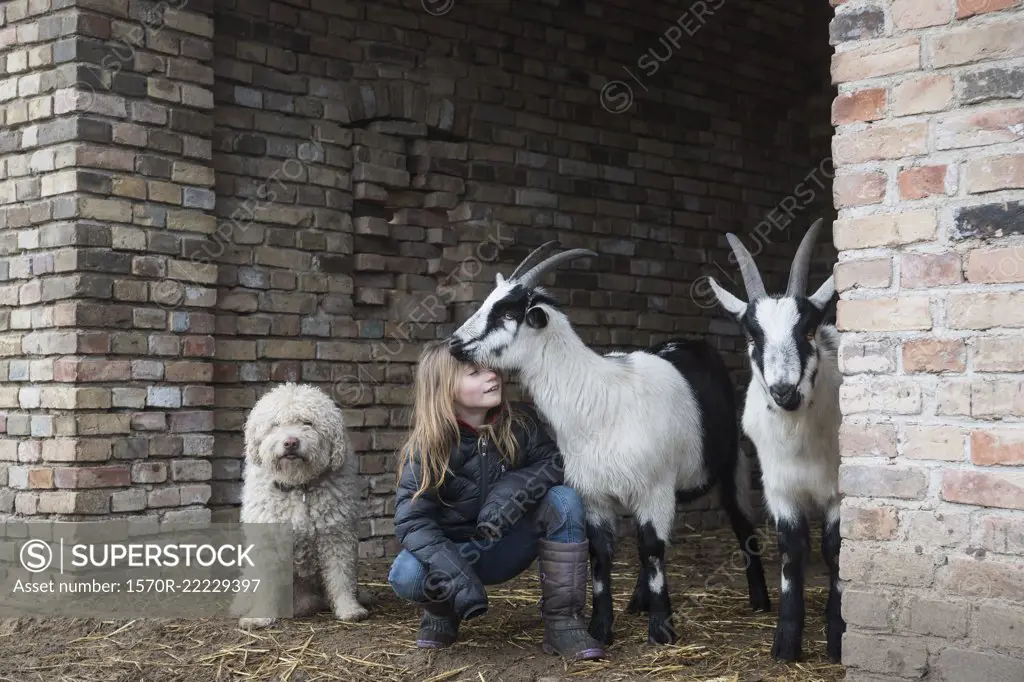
<point x="480" y="497"/>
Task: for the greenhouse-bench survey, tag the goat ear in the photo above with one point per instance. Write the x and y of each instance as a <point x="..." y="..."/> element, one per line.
<point x="536" y="317"/>
<point x="823" y="295"/>
<point x="734" y="305"/>
<point x="499" y="279"/>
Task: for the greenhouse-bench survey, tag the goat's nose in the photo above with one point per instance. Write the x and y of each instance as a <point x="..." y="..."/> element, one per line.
<point x="455" y="342"/>
<point x="782" y="393"/>
<point x="291" y="443"/>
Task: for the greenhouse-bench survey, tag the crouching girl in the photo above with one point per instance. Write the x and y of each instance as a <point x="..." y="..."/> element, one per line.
<point x="480" y="496"/>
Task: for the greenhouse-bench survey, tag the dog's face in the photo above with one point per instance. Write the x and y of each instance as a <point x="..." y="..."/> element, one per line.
<point x="295" y="433"/>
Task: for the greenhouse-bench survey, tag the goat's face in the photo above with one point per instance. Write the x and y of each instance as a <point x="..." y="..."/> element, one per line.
<point x="509" y="327"/>
<point x="782" y="343"/>
<point x="781" y="331"/>
<point x="504" y="331"/>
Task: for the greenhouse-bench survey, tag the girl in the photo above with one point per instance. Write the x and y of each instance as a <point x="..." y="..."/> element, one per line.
<point x="480" y="496"/>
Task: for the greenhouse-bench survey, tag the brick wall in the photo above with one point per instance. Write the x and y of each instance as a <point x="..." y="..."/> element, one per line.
<point x="929" y="150"/>
<point x="243" y="193"/>
<point x="106" y="172"/>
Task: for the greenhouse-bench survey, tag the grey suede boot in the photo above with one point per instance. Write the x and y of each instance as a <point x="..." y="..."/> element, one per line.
<point x="564" y="575"/>
<point x="439" y="626"/>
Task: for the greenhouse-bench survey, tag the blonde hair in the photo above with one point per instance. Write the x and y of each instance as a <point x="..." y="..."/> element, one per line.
<point x="435" y="427"/>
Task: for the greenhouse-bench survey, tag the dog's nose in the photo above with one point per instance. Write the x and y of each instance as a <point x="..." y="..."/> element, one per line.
<point x="291" y="444"/>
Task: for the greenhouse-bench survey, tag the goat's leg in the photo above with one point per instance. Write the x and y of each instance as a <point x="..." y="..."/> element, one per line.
<point x="640" y="602"/>
<point x="655" y="519"/>
<point x="830" y="545"/>
<point x="749" y="546"/>
<point x="794" y="546"/>
<point x="601" y="537"/>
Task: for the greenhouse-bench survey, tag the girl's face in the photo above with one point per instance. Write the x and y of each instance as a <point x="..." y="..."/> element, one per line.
<point x="479" y="389"/>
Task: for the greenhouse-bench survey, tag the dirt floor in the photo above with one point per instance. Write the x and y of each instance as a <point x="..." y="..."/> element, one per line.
<point x="720" y="639"/>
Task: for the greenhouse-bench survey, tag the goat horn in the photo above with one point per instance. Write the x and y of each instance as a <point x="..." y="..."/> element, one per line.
<point x="802" y="262"/>
<point x="534" y="256"/>
<point x="751" y="277"/>
<point x="535" y="273"/>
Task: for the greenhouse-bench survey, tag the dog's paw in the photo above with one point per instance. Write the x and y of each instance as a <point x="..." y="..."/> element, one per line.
<point x="255" y="623"/>
<point x="351" y="613"/>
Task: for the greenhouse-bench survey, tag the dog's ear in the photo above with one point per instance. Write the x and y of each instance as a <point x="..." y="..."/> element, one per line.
<point x="252" y="441"/>
<point x="332" y="426"/>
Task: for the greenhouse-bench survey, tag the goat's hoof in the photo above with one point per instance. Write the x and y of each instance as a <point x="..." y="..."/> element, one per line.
<point x="660" y="630"/>
<point x="786" y="645"/>
<point x="601" y="630"/>
<point x="834" y="645"/>
<point x="637" y="605"/>
<point x="760" y="602"/>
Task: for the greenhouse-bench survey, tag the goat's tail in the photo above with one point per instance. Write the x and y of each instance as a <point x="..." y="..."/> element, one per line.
<point x="744" y="486"/>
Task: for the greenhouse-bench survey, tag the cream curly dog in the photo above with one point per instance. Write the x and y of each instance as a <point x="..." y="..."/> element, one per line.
<point x="299" y="467"/>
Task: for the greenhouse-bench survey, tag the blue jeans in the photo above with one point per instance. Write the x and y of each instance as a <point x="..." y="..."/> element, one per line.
<point x="558" y="518"/>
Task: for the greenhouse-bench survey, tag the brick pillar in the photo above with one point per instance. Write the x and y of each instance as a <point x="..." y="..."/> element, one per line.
<point x="930" y="188"/>
<point x="107" y="152"/>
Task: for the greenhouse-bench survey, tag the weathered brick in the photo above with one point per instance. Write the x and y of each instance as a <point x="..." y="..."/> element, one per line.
<point x="990" y="84"/>
<point x="935" y="528"/>
<point x="870" y="480"/>
<point x="992" y="266"/>
<point x="997" y="627"/>
<point x="871" y="273"/>
<point x="870" y="356"/>
<point x="979" y="128"/>
<point x="859" y="189"/>
<point x="997" y="446"/>
<point x="969" y="8"/>
<point x="934" y="355"/>
<point x="932" y="441"/>
<point x="891" y="656"/>
<point x="895" y="564"/>
<point x="985" y="310"/>
<point x="997" y="354"/>
<point x="863" y="521"/>
<point x="191" y="470"/>
<point x="903" y="314"/>
<point x="984" y="488"/>
<point x="879" y="58"/>
<point x="860" y="439"/>
<point x="922" y="95"/>
<point x="149" y="472"/>
<point x="857" y="24"/>
<point x="911" y="14"/>
<point x="932" y="617"/>
<point x="922" y="182"/>
<point x="905" y="227"/>
<point x="919" y="270"/>
<point x="92" y="477"/>
<point x="978" y="42"/>
<point x="992" y="173"/>
<point x="883" y="141"/>
<point x="953" y="398"/>
<point x="860" y="105"/>
<point x="1001" y="534"/>
<point x="865" y="609"/>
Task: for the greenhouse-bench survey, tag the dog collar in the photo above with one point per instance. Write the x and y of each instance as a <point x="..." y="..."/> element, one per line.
<point x="304" y="487"/>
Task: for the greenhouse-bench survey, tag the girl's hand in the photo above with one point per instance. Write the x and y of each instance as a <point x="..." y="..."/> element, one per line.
<point x="485" y="530"/>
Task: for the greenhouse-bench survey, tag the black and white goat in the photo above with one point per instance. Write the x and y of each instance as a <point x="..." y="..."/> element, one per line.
<point x="792" y="416"/>
<point x="637" y="431"/>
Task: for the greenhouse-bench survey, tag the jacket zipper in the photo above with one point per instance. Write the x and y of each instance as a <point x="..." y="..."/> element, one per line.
<point x="484" y="473"/>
